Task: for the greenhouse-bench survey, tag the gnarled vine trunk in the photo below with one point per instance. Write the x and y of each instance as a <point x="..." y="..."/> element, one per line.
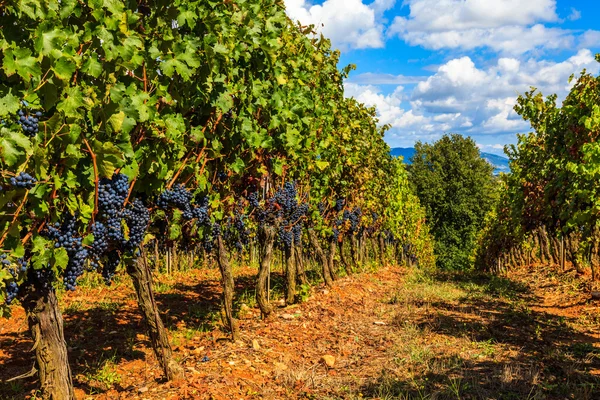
<point x="347" y="266"/>
<point x="266" y="243"/>
<point x="382" y="256"/>
<point x="300" y="269"/>
<point x="46" y="327"/>
<point x="142" y="281"/>
<point x="331" y="264"/>
<point x="290" y="275"/>
<point x="228" y="288"/>
<point x="314" y="241"/>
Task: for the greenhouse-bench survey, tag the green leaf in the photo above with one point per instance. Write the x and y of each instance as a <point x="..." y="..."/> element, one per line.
<point x="108" y="158"/>
<point x="237" y="166"/>
<point x="9" y="104"/>
<point x="72" y="100"/>
<point x="322" y="165"/>
<point x="92" y="67"/>
<point x="13" y="145"/>
<point x="64" y="68"/>
<point x="21" y="62"/>
<point x="61" y="258"/>
<point x="224" y="102"/>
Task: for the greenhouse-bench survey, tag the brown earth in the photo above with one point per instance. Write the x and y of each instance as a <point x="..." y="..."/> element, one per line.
<point x="393" y="333"/>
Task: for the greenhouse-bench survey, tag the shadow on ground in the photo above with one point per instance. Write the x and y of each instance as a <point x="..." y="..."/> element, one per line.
<point x="539" y="355"/>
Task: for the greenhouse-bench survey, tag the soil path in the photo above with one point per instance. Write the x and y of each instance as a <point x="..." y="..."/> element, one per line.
<point x="393" y="333"/>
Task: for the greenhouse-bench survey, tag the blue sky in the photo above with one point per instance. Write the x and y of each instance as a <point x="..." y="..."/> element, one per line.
<point x="456" y="66"/>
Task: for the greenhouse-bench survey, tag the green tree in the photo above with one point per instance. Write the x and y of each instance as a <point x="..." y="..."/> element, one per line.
<point x="456" y="187"/>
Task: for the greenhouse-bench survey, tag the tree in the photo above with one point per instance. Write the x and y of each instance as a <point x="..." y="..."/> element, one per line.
<point x="456" y="187"/>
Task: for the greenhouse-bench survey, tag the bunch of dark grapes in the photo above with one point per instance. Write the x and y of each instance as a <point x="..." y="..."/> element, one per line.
<point x="12" y="291"/>
<point x="180" y="198"/>
<point x="115" y="230"/>
<point x="109" y="231"/>
<point x="336" y="234"/>
<point x="23" y="180"/>
<point x="299" y="212"/>
<point x="29" y="123"/>
<point x="291" y="212"/>
<point x="100" y="244"/>
<point x="42" y="278"/>
<point x="297" y="232"/>
<point x="253" y="200"/>
<point x="112" y="194"/>
<point x="209" y="243"/>
<point x="354" y="218"/>
<point x="22" y="265"/>
<point x="137" y="217"/>
<point x="286" y="236"/>
<point x="234" y="231"/>
<point x="339" y="204"/>
<point x="286" y="198"/>
<point x="65" y="235"/>
<point x="216" y="230"/>
<point x="210" y="237"/>
<point x="113" y="259"/>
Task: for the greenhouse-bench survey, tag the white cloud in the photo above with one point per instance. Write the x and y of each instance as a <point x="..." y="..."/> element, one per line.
<point x="590" y="39"/>
<point x="464" y="98"/>
<point x="381" y="6"/>
<point x="439" y="15"/>
<point x="506" y="39"/>
<point x="370" y="78"/>
<point x="575" y="14"/>
<point x="511" y="27"/>
<point x="349" y="24"/>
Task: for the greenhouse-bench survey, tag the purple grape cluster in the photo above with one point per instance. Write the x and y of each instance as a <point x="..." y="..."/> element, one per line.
<point x="234" y="231"/>
<point x="354" y="218"/>
<point x="253" y="200"/>
<point x="291" y="212"/>
<point x="23" y="181"/>
<point x="29" y="123"/>
<point x="65" y="235"/>
<point x="180" y="198"/>
<point x="112" y="194"/>
<point x="12" y="291"/>
<point x="113" y="259"/>
<point x="109" y="230"/>
<point x="138" y="218"/>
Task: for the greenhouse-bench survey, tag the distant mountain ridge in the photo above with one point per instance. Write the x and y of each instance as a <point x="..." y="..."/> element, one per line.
<point x="498" y="162"/>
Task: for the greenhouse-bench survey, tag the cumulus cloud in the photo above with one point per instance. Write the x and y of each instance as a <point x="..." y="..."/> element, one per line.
<point x="350" y="24"/>
<point x="575" y="15"/>
<point x="464" y="98"/>
<point x="589" y="39"/>
<point x="511" y="27"/>
<point x="439" y="15"/>
<point x="385" y="79"/>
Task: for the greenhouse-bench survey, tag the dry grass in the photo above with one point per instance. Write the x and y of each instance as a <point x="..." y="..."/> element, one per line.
<point x="395" y="334"/>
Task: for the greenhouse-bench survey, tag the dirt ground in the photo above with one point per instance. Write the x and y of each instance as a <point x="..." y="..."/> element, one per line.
<point x="393" y="333"/>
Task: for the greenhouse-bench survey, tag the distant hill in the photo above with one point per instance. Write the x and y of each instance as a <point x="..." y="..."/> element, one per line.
<point x="498" y="162"/>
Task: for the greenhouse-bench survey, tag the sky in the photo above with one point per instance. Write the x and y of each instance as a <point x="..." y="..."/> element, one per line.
<point x="433" y="67"/>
